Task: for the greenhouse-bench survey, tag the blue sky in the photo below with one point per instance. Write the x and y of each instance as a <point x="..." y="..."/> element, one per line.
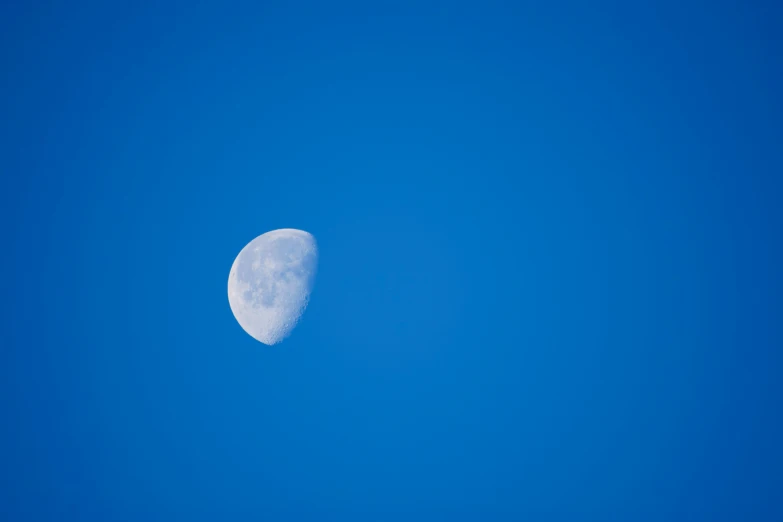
<point x="549" y="284"/>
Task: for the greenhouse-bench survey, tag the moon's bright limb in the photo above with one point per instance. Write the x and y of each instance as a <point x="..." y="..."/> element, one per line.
<point x="270" y="282"/>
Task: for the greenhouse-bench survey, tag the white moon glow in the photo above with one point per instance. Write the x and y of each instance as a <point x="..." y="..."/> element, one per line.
<point x="270" y="282"/>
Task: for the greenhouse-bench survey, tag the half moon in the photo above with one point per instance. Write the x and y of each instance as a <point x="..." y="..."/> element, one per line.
<point x="270" y="283"/>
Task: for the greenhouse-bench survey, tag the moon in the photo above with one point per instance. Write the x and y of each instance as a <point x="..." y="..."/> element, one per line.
<point x="270" y="283"/>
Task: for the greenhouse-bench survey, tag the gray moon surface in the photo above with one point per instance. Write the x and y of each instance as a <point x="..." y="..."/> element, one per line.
<point x="270" y="283"/>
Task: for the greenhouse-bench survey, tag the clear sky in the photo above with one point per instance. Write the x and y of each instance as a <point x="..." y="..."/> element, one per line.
<point x="550" y="279"/>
